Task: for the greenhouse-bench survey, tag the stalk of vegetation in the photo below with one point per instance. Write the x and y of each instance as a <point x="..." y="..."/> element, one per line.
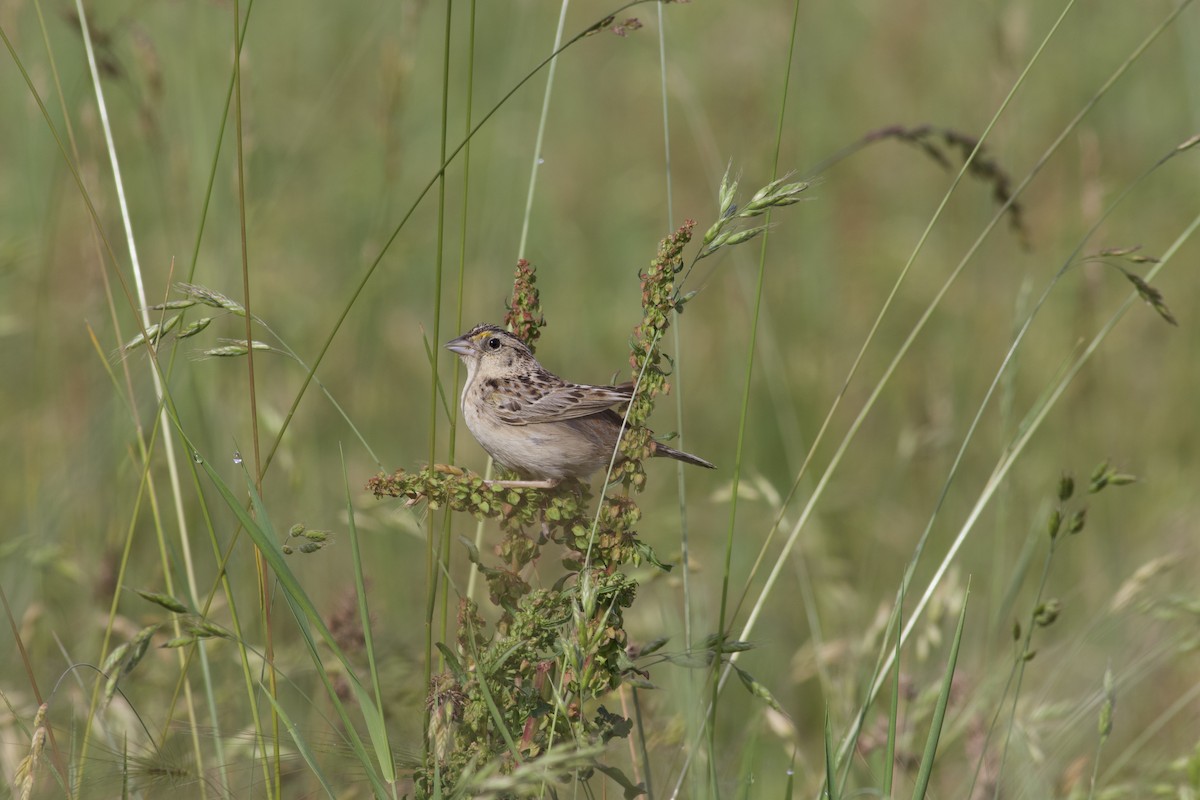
<point x="534" y="681"/>
<point x="743" y="413"/>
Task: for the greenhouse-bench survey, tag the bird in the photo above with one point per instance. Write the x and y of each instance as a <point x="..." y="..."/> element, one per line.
<point x="533" y="422"/>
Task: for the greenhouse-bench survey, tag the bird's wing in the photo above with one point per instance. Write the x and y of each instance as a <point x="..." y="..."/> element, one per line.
<point x="561" y="402"/>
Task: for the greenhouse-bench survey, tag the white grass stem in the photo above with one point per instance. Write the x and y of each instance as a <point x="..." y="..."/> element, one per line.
<point x="139" y="284"/>
<point x="159" y="390"/>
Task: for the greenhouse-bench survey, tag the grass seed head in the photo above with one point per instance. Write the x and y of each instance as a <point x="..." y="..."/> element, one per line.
<point x="1066" y="487"/>
<point x="211" y="297"/>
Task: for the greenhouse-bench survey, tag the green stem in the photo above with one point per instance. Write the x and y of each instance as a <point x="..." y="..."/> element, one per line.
<point x="432" y="581"/>
<point x="743" y="413"/>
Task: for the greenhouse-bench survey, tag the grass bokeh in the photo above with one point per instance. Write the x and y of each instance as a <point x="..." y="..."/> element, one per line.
<point x="341" y="110"/>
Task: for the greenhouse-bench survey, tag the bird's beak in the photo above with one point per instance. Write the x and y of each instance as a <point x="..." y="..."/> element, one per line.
<point x="460" y="346"/>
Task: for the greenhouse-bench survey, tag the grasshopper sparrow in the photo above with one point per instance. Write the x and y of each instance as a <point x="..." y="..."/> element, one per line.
<point x="534" y="422"/>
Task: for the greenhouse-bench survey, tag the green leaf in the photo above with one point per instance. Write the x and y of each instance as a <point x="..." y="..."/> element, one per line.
<point x="646" y="552"/>
<point x="456" y="667"/>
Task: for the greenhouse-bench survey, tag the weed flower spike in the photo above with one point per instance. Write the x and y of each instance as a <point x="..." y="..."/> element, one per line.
<point x="541" y="668"/>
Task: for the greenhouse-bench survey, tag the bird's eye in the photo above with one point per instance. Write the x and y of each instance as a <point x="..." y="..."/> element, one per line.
<point x="493" y="343"/>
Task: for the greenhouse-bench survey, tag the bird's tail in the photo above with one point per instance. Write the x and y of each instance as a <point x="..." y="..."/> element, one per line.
<point x="661" y="449"/>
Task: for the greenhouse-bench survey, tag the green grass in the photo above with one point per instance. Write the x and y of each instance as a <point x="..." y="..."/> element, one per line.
<point x="923" y="376"/>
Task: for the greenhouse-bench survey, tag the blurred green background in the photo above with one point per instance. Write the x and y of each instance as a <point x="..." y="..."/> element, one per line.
<point x="342" y="106"/>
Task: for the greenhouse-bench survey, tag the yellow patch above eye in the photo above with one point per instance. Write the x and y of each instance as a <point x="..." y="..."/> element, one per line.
<point x="481" y="335"/>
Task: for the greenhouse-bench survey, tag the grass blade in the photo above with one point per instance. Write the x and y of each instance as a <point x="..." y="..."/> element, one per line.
<point x="939" y="711"/>
<point x="375" y="722"/>
<point x="301" y="745"/>
<point x="889" y="763"/>
<point x="262" y="533"/>
<point x="830" y="772"/>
